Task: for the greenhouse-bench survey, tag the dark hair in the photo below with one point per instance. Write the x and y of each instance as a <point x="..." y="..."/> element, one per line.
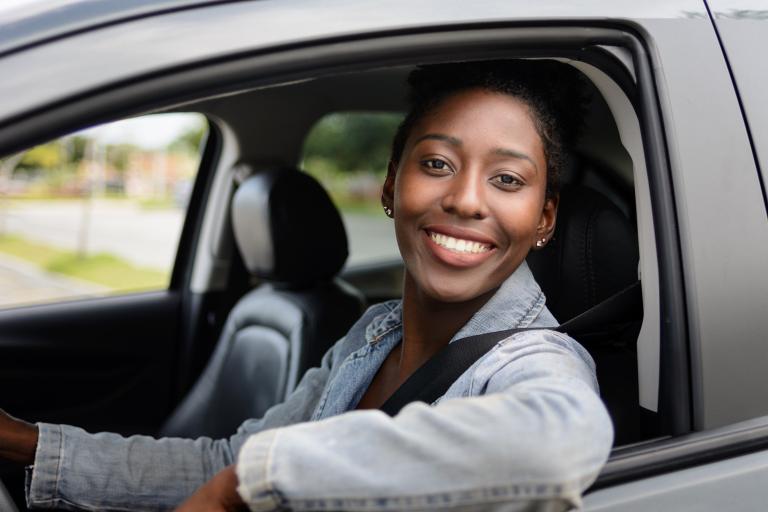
<point x="553" y="92"/>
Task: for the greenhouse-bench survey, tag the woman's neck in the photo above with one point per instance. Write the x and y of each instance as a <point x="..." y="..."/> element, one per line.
<point x="429" y="325"/>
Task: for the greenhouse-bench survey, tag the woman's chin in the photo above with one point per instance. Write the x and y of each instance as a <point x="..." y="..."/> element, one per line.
<point x="456" y="293"/>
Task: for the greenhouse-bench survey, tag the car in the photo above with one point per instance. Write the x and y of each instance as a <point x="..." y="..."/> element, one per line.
<point x="675" y="140"/>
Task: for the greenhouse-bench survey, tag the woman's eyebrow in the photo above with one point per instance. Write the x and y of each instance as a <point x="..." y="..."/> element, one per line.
<point x="515" y="154"/>
<point x="453" y="141"/>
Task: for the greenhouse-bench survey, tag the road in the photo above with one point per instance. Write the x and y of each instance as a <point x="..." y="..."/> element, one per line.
<point x="144" y="237"/>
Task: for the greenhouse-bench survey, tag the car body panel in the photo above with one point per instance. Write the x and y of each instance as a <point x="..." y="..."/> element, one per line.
<point x="37" y="21"/>
<point x="736" y="484"/>
<point x="743" y="29"/>
<point x="692" y="73"/>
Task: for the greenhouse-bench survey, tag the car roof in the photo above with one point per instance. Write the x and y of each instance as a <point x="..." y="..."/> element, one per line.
<point x="24" y="23"/>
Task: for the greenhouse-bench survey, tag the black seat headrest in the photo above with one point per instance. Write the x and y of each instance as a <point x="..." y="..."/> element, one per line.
<point x="592" y="255"/>
<point x="287" y="229"/>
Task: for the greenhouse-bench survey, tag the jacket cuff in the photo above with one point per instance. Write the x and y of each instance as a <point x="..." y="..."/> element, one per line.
<point x="254" y="467"/>
<point x="43" y="476"/>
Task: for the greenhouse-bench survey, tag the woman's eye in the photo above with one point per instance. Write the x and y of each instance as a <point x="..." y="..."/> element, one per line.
<point x="435" y="163"/>
<point x="508" y="181"/>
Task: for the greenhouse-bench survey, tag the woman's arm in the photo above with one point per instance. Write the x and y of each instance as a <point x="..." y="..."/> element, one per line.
<point x="107" y="471"/>
<point x="18" y="439"/>
<point x="536" y="430"/>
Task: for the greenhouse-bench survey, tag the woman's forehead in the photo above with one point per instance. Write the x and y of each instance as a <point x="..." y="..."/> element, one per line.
<point x="478" y="115"/>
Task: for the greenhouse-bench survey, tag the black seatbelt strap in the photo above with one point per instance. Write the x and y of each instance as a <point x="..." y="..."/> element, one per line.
<point x="432" y="379"/>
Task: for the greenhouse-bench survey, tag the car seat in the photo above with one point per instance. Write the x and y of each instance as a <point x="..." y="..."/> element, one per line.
<point x="291" y="237"/>
<point x="592" y="256"/>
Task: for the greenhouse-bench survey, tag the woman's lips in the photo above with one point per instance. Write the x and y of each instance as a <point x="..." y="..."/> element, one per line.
<point x="465" y="250"/>
<point x="453" y="231"/>
<point x="460" y="245"/>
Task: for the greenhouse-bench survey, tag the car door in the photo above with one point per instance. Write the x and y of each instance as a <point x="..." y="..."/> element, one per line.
<point x="724" y="463"/>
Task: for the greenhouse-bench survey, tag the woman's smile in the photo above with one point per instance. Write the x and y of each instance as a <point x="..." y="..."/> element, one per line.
<point x="458" y="247"/>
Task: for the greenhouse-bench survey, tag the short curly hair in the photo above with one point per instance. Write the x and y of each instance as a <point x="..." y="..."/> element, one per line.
<point x="553" y="92"/>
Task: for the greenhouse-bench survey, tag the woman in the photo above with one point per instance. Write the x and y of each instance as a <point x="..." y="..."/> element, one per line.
<point x="472" y="188"/>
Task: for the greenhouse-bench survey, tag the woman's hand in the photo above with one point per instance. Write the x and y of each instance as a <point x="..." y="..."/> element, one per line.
<point x="218" y="495"/>
<point x="18" y="439"/>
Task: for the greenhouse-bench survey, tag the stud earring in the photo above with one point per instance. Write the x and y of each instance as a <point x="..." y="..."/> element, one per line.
<point x="540" y="243"/>
<point x="388" y="211"/>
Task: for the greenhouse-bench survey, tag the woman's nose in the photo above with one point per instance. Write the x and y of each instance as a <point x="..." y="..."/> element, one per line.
<point x="465" y="196"/>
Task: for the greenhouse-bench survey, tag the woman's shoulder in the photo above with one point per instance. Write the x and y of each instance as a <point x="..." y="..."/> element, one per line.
<point x="536" y="354"/>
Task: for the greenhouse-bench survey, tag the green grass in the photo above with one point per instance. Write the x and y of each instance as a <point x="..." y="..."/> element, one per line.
<point x="157" y="204"/>
<point x="103" y="269"/>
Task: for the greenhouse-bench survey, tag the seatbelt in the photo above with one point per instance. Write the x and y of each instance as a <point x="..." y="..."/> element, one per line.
<point x="432" y="379"/>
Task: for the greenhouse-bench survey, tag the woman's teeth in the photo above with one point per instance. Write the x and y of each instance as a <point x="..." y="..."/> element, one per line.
<point x="459" y="245"/>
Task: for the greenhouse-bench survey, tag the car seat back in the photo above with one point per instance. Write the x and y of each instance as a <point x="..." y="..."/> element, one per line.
<point x="592" y="256"/>
<point x="291" y="237"/>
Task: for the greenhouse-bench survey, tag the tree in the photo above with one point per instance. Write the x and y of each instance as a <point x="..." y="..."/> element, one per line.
<point x="354" y="141"/>
<point x="45" y="156"/>
<point x="190" y="140"/>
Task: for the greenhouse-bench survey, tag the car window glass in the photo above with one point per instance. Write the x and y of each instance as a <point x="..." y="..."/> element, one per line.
<point x="348" y="153"/>
<point x="97" y="212"/>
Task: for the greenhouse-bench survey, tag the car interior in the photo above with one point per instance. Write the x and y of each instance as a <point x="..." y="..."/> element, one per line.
<point x="594" y="253"/>
<point x="268" y="289"/>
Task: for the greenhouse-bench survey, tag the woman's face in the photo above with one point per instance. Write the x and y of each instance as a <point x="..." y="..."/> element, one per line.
<point x="468" y="195"/>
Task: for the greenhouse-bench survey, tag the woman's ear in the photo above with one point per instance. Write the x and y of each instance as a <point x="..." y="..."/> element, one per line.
<point x="547" y="221"/>
<point x="388" y="190"/>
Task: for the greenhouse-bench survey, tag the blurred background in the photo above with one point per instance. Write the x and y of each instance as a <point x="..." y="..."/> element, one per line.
<point x="100" y="211"/>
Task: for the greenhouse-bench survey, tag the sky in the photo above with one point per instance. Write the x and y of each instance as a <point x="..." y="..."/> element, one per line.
<point x="150" y="132"/>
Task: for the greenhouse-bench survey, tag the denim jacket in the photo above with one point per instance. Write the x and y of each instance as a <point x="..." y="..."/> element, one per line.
<point x="523" y="428"/>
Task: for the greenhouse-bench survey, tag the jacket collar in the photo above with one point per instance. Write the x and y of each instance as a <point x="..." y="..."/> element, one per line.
<point x="517" y="303"/>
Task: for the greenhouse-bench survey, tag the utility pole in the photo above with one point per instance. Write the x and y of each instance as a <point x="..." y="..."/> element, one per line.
<point x="7" y="166"/>
<point x="87" y="204"/>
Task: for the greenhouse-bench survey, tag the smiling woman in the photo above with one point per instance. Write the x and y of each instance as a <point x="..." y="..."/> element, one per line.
<point x="471" y="187"/>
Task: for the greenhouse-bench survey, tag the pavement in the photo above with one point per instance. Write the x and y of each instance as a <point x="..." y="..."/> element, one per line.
<point x="22" y="283"/>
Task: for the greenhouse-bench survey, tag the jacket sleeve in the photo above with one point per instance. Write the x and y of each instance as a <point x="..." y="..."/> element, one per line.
<point x="75" y="470"/>
<point x="532" y="430"/>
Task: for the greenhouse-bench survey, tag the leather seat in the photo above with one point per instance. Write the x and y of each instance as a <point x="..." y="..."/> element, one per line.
<point x="291" y="237"/>
<point x="592" y="256"/>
